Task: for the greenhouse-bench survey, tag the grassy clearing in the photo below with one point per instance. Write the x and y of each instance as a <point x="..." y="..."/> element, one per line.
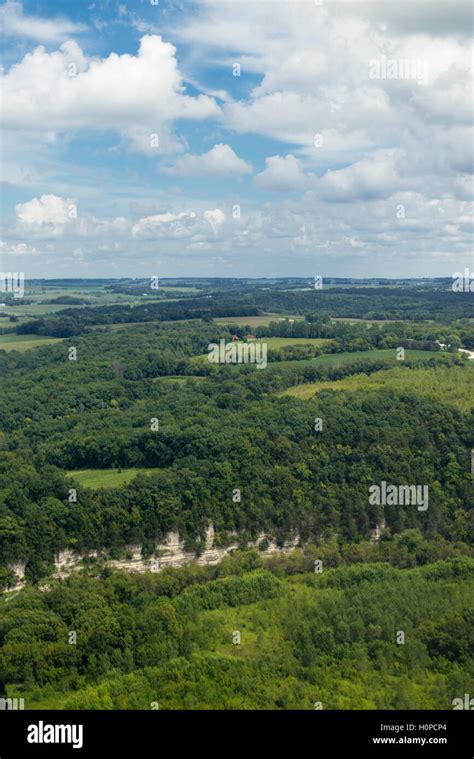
<point x="357" y="320"/>
<point x="107" y="478"/>
<point x="242" y="321"/>
<point x="48" y="699"/>
<point x="447" y="384"/>
<point x="34" y="309"/>
<point x="13" y="342"/>
<point x="274" y="343"/>
<point x="256" y="321"/>
<point x="387" y="355"/>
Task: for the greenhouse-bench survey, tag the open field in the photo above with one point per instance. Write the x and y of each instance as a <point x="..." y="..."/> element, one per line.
<point x="12" y="342"/>
<point x="255" y="321"/>
<point x="91" y="296"/>
<point x="355" y="320"/>
<point x="453" y="384"/>
<point x="335" y="360"/>
<point x="243" y="321"/>
<point x="274" y="343"/>
<point x="34" y="309"/>
<point x="107" y="478"/>
<point x="387" y="355"/>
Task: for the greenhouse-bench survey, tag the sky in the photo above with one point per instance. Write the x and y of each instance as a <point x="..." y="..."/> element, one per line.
<point x="274" y="138"/>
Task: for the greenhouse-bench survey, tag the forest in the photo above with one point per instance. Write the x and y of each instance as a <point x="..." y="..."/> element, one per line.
<point x="120" y="431"/>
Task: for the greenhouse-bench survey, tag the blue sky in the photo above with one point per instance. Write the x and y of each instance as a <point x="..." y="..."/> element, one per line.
<point x="130" y="147"/>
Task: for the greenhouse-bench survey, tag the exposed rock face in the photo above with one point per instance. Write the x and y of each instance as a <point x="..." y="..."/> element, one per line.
<point x="171" y="553"/>
<point x="18" y="569"/>
<point x="67" y="561"/>
<point x="377" y="531"/>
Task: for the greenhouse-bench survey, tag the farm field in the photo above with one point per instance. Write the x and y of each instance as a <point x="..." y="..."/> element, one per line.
<point x="454" y="384"/>
<point x="255" y="321"/>
<point x="107" y="478"/>
<point x="388" y="355"/>
<point x="91" y="296"/>
<point x="242" y="321"/>
<point x="34" y="309"/>
<point x="332" y="360"/>
<point x="355" y="320"/>
<point x="21" y="343"/>
<point x="280" y="342"/>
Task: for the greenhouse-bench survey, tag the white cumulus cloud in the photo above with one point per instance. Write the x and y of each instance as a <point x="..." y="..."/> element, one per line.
<point x="138" y="96"/>
<point x="220" y="161"/>
<point x="282" y="174"/>
<point x="48" y="209"/>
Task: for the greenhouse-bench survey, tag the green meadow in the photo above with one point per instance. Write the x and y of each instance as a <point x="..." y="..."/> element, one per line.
<point x="387" y="355"/>
<point x="107" y="478"/>
<point x="255" y="321"/>
<point x="12" y="342"/>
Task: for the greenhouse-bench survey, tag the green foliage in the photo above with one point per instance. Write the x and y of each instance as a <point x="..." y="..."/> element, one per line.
<point x="304" y="638"/>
